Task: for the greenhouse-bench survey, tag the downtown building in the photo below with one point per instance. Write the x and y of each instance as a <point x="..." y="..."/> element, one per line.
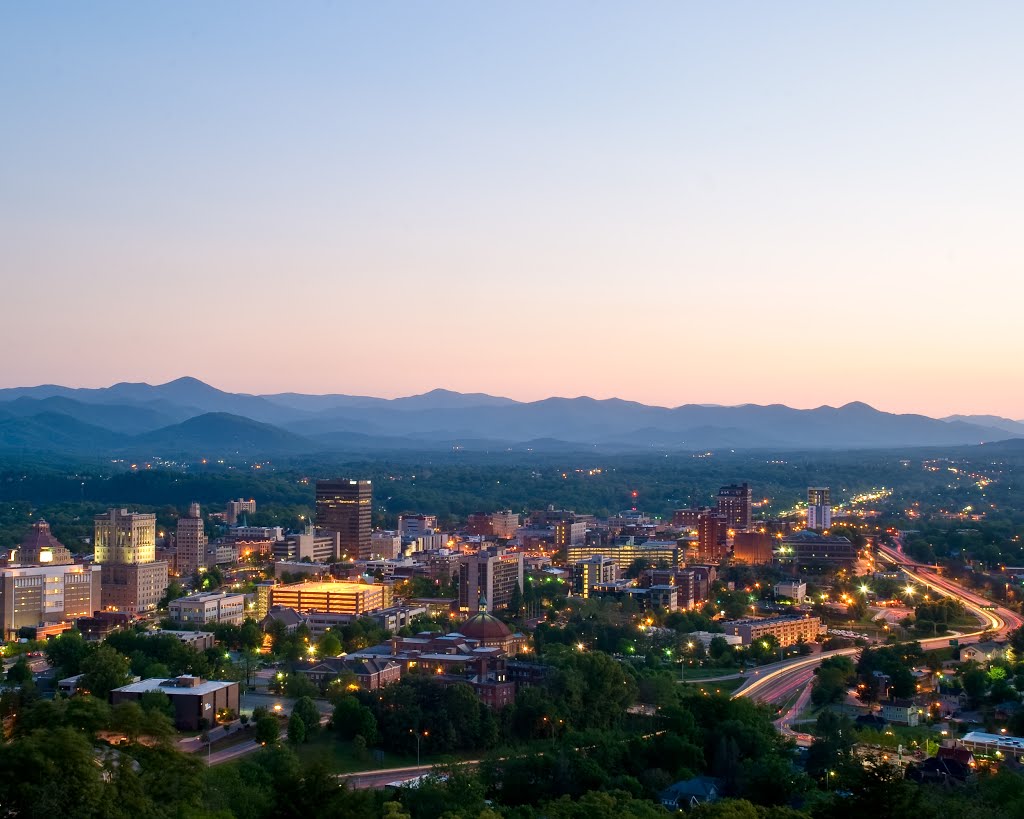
<point x="735" y="504"/>
<point x="489" y="578"/>
<point x="819" y="507"/>
<point x="190" y="543"/>
<point x="208" y="607"/>
<point x="133" y="581"/>
<point x="40" y="596"/>
<point x="345" y="506"/>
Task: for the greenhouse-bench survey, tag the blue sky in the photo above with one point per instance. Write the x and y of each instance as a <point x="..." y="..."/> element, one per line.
<point x="805" y="203"/>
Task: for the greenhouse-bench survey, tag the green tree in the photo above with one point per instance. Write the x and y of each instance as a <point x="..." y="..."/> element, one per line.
<point x="306" y="710"/>
<point x="268" y="729"/>
<point x="66" y="652"/>
<point x="105" y="669"/>
<point x="296" y="729"/>
<point x="19" y="673"/>
<point x="329" y="645"/>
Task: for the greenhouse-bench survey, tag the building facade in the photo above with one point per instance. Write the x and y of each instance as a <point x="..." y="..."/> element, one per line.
<point x="209" y="607"/>
<point x="133" y="580"/>
<point x="43" y="595"/>
<point x="41" y="548"/>
<point x="493" y="575"/>
<point x="735" y="504"/>
<point x="819" y="507"/>
<point x="331" y="597"/>
<point x="345" y="506"/>
<point x="237" y="508"/>
<point x="190" y="543"/>
<point x="787" y="630"/>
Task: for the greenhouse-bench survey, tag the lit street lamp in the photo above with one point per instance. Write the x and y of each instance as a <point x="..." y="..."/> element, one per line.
<point x="417" y="735"/>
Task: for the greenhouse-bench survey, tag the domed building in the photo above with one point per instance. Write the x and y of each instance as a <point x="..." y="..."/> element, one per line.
<point x="489" y="632"/>
<point x="41" y="548"/>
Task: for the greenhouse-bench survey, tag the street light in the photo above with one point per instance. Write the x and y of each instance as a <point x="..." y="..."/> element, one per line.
<point x="417" y="735"/>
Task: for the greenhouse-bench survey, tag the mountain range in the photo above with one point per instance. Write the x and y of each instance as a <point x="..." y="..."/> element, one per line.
<point x="189" y="418"/>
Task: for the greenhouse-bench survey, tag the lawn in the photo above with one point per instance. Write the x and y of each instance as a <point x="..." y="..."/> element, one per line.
<point x="341" y="757"/>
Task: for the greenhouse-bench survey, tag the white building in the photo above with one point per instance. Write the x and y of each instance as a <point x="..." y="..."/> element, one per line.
<point x="209" y="607"/>
<point x="819" y="507"/>
<point x="793" y="589"/>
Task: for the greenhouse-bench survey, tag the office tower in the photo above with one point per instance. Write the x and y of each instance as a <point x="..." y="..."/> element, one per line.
<point x="190" y="540"/>
<point x="236" y="508"/>
<point x="346" y="507"/>
<point x="43" y="595"/>
<point x="132" y="579"/>
<point x="491" y="575"/>
<point x="42" y="548"/>
<point x="712" y="536"/>
<point x="819" y="507"/>
<point x="734" y="504"/>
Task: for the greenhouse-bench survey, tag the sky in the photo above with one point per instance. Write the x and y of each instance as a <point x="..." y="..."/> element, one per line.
<point x="682" y="202"/>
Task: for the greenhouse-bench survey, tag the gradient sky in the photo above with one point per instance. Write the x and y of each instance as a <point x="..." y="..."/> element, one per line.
<point x="804" y="203"/>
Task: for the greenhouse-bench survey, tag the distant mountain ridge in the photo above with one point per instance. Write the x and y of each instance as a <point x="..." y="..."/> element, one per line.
<point x="189" y="418"/>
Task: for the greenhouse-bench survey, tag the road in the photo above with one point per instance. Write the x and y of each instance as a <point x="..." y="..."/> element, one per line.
<point x="782" y="681"/>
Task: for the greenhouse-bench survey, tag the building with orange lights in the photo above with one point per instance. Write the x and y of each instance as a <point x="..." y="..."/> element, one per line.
<point x="331" y="597"/>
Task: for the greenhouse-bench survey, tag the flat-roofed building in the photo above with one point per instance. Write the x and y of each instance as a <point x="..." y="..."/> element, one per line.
<point x="316" y="546"/>
<point x="190" y="543"/>
<point x="197" y="703"/>
<point x="735" y="504"/>
<point x="592" y="572"/>
<point x="811" y="547"/>
<point x="34" y="596"/>
<point x="236" y="508"/>
<point x="345" y="506"/>
<point x="655" y="552"/>
<point x="333" y="597"/>
<point x="787" y="630"/>
<point x="753" y="547"/>
<point x="209" y="607"/>
<point x="492" y="575"/>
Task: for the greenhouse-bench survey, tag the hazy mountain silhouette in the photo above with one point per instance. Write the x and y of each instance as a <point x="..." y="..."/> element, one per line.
<point x="188" y="417"/>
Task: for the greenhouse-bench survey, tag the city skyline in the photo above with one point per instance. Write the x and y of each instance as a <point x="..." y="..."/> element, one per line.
<point x="804" y="205"/>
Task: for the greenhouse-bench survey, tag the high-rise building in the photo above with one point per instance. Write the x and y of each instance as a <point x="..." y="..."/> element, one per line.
<point x="132" y="579"/>
<point x="346" y="507"/>
<point x="734" y="504"/>
<point x="40" y="547"/>
<point x="43" y="595"/>
<point x="491" y="575"/>
<point x="819" y="507"/>
<point x="190" y="540"/>
<point x="125" y="537"/>
<point x="591" y="572"/>
<point x="712" y="537"/>
<point x="502" y="524"/>
<point x="236" y="508"/>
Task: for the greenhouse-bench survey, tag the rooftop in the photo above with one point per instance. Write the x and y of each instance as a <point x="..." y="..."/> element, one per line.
<point x="171" y="686"/>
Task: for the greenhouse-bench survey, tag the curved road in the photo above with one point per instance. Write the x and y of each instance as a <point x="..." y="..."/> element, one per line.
<point x="782" y="682"/>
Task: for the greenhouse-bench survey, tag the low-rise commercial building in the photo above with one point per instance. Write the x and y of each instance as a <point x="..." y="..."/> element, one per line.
<point x="787" y="630"/>
<point x="197" y="703"/>
<point x="209" y="607"/>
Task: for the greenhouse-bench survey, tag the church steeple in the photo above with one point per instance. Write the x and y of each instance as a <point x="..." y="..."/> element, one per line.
<point x="482" y="605"/>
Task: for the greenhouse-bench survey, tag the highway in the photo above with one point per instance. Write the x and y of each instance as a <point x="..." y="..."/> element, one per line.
<point x="781" y="682"/>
